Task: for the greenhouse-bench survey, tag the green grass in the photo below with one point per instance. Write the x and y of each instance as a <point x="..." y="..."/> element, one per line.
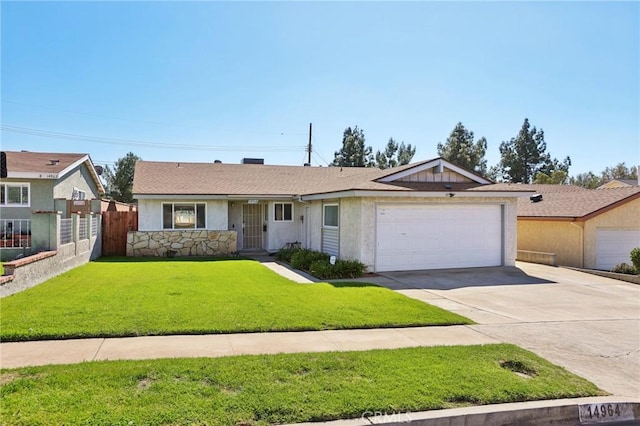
<point x="143" y="297"/>
<point x="285" y="388"/>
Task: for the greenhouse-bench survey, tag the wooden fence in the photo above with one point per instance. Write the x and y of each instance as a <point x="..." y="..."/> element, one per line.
<point x="115" y="226"/>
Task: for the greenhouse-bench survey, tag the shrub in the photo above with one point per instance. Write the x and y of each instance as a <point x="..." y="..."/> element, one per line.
<point x="342" y="269"/>
<point x="624" y="268"/>
<point x="635" y="258"/>
<point x="322" y="269"/>
<point x="350" y="268"/>
<point x="302" y="259"/>
<point x="286" y="254"/>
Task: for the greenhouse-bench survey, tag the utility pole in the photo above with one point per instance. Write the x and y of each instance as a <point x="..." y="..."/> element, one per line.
<point x="309" y="147"/>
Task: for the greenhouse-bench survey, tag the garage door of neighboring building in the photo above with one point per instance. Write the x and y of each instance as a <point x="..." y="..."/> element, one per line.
<point x="613" y="246"/>
<point x="419" y="236"/>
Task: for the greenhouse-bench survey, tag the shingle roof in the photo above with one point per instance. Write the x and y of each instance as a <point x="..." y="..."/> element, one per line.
<point x="39" y="162"/>
<point x="47" y="165"/>
<point x="574" y="203"/>
<point x="165" y="178"/>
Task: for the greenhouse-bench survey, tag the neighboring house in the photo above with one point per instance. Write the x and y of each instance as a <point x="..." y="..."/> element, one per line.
<point x="426" y="215"/>
<point x="42" y="182"/>
<point x="620" y="183"/>
<point x="586" y="228"/>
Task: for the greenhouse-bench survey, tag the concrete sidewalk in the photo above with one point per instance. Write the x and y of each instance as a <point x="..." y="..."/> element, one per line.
<point x="20" y="354"/>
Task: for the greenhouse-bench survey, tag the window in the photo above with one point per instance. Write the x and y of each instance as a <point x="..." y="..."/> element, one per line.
<point x="183" y="216"/>
<point x="78" y="194"/>
<point x="330" y="216"/>
<point x="283" y="212"/>
<point x="14" y="195"/>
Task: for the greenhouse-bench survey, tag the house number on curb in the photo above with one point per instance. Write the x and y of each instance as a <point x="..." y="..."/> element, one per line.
<point x="605" y="412"/>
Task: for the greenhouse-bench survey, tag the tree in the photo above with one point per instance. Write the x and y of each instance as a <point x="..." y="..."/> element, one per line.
<point x="394" y="155"/>
<point x="557" y="177"/>
<point x="354" y="153"/>
<point x="119" y="181"/>
<point x="619" y="171"/>
<point x="587" y="180"/>
<point x="460" y="149"/>
<point x="591" y="180"/>
<point x="524" y="156"/>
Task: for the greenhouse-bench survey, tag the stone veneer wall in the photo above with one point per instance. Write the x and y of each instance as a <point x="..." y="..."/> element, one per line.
<point x="185" y="243"/>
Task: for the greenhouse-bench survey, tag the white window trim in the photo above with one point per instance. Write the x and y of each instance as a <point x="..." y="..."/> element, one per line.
<point x="173" y="219"/>
<point x="82" y="194"/>
<point x="5" y="202"/>
<point x="283" y="220"/>
<point x="323" y="216"/>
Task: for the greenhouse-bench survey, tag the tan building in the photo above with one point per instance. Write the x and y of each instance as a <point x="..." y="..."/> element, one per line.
<point x="594" y="229"/>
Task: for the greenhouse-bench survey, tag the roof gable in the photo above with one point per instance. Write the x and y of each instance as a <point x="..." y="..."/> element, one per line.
<point x="47" y="165"/>
<point x="436" y="170"/>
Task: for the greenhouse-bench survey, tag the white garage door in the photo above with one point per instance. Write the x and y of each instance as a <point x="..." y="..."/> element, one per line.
<point x="614" y="245"/>
<point x="413" y="237"/>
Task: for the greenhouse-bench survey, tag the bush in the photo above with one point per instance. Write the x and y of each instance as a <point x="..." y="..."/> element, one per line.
<point x="303" y="258"/>
<point x="322" y="269"/>
<point x="342" y="269"/>
<point x="624" y="268"/>
<point x="635" y="258"/>
<point x="285" y="255"/>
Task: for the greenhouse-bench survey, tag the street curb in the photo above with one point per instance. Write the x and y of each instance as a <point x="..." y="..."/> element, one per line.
<point x="559" y="412"/>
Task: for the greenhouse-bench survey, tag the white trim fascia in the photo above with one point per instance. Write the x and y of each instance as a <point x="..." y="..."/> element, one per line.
<point x="438" y="162"/>
<point x="178" y="197"/>
<point x="73" y="165"/>
<point x="284" y="198"/>
<point x="417" y="194"/>
<point x="260" y="197"/>
<point x="32" y="175"/>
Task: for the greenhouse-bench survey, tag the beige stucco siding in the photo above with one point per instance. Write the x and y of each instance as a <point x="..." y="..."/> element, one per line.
<point x="561" y="237"/>
<point x="350" y="228"/>
<point x="624" y="216"/>
<point x="79" y="178"/>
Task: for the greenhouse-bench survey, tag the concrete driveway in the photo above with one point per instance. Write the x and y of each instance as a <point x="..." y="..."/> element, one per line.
<point x="588" y="324"/>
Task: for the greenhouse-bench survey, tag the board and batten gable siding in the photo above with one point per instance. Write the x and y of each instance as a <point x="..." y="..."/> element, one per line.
<point x="430" y="175"/>
<point x="150" y="214"/>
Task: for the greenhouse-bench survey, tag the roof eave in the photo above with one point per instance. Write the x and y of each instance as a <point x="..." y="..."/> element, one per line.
<point x="410" y="194"/>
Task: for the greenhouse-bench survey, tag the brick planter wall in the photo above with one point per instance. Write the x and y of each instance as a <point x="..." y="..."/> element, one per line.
<point x="181" y="243"/>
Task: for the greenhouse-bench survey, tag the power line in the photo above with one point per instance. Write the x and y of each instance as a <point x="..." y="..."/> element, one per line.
<point x="138" y="120"/>
<point x="130" y="142"/>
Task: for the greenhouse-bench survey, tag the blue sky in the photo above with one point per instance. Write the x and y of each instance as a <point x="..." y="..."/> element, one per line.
<point x="200" y="81"/>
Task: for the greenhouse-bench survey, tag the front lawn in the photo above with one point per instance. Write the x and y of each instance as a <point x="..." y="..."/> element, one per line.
<point x="252" y="390"/>
<point x="133" y="297"/>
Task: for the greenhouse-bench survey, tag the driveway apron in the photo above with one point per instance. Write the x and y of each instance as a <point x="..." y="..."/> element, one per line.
<point x="588" y="324"/>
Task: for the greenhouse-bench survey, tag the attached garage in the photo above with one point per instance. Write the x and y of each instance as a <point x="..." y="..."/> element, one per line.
<point x="614" y="245"/>
<point x="438" y="236"/>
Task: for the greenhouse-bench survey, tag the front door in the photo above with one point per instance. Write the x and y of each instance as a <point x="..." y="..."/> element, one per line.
<point x="251" y="226"/>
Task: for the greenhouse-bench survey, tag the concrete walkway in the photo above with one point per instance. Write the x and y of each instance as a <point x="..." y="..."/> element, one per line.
<point x="20" y="354"/>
